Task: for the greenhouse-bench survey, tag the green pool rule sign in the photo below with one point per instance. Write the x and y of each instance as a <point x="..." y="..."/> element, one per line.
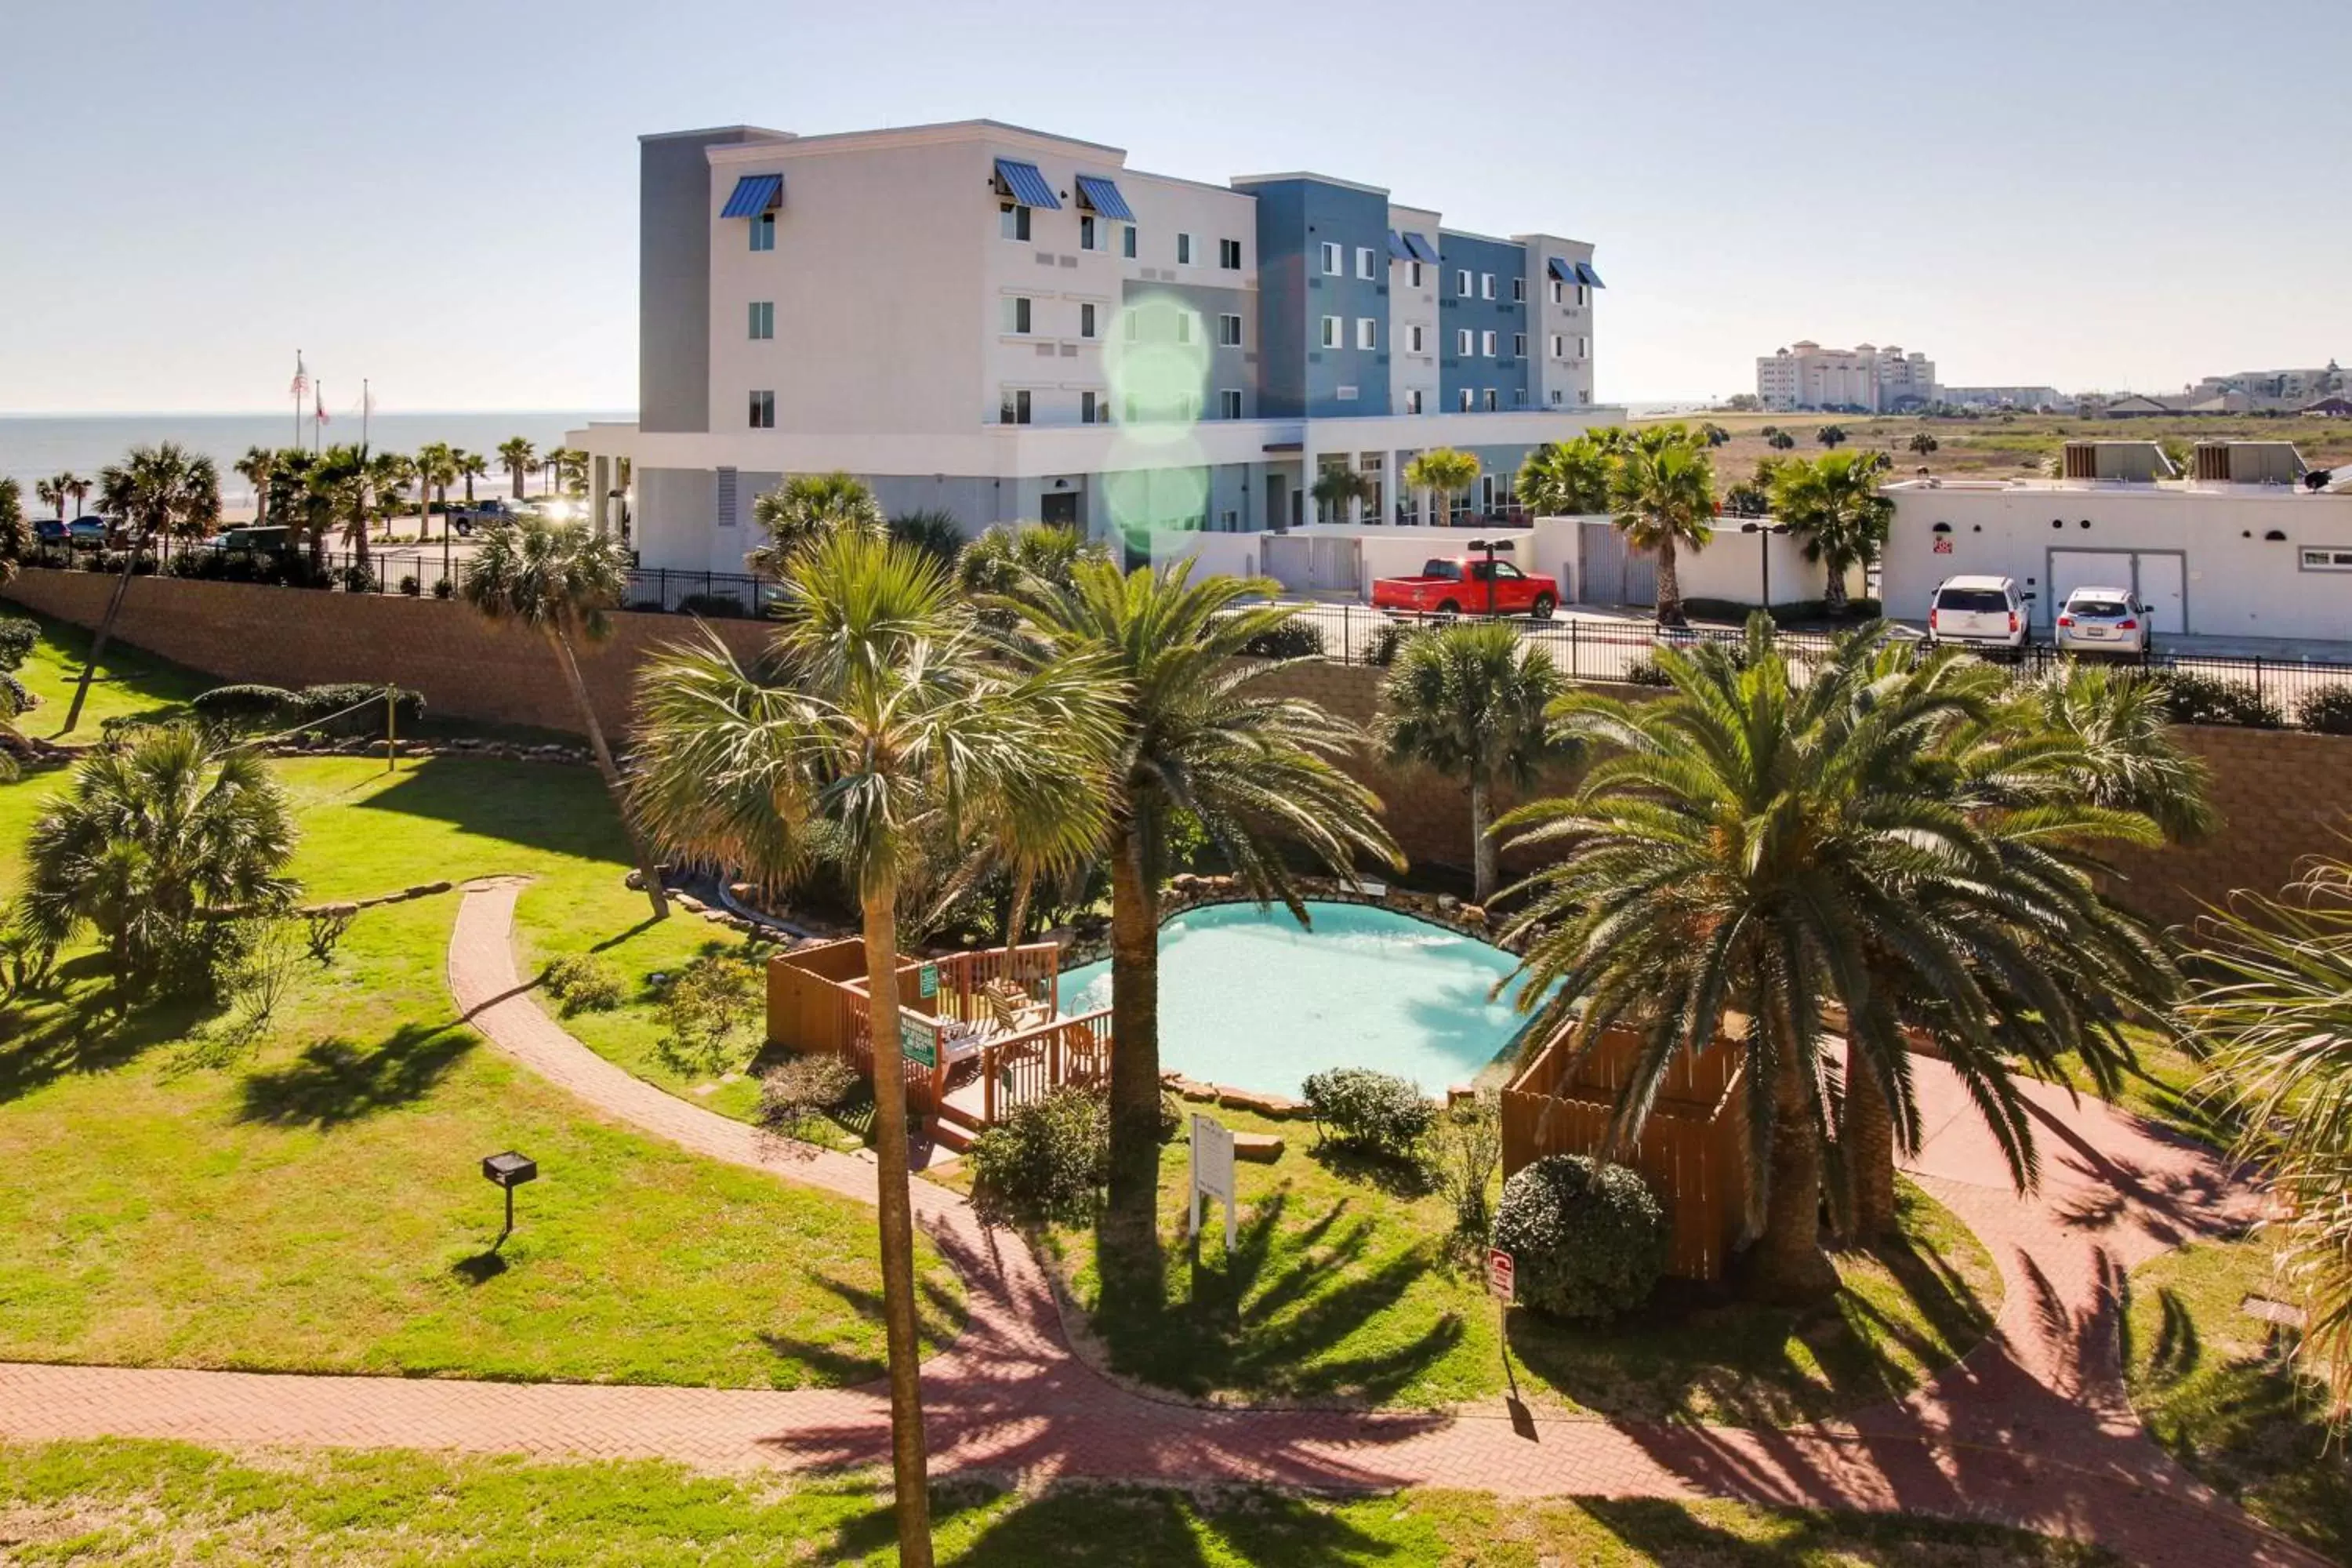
<point x="916" y="1042"/>
<point x="926" y="980"/>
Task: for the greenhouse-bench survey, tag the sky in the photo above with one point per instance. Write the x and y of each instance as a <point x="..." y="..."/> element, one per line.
<point x="440" y="196"/>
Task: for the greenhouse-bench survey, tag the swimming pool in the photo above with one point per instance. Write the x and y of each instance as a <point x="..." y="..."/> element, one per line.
<point x="1250" y="1000"/>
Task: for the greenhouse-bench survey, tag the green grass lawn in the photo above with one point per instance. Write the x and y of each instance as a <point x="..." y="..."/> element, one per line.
<point x="161" y="1503"/>
<point x="132" y="682"/>
<point x="2214" y="1389"/>
<point x="316" y="1204"/>
<point x="2167" y="1087"/>
<point x="1338" y="1291"/>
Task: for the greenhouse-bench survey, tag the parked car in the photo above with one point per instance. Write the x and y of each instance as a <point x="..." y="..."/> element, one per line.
<point x="2101" y="620"/>
<point x="51" y="530"/>
<point x="87" y="533"/>
<point x="482" y="514"/>
<point x="1468" y="584"/>
<point x="1979" y="612"/>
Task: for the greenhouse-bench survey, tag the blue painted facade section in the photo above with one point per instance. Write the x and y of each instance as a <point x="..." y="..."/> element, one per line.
<point x="1506" y="373"/>
<point x="1297" y="375"/>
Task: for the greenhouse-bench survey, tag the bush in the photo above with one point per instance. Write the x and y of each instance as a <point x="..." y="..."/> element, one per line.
<point x="1467" y="1150"/>
<point x="241" y="705"/>
<point x="357" y="580"/>
<point x="17" y="636"/>
<point x="1293" y="638"/>
<point x="799" y="1090"/>
<point x="713" y="1013"/>
<point x="1375" y="1111"/>
<point x="1644" y="672"/>
<point x="410" y="586"/>
<point x="2328" y="710"/>
<point x="2194" y="698"/>
<point x="1386" y="644"/>
<point x="16" y="694"/>
<point x="442" y="589"/>
<point x="712" y="606"/>
<point x="1043" y="1163"/>
<point x="326" y="706"/>
<point x="583" y="984"/>
<point x="1589" y="1241"/>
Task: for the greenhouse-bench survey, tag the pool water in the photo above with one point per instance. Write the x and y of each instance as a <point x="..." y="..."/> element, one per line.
<point x="1249" y="999"/>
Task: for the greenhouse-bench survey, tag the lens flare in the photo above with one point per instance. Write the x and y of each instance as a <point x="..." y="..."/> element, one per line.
<point x="1156" y="363"/>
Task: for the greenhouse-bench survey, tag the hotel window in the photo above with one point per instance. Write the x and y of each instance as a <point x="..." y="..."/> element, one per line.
<point x="1131" y="324"/>
<point x="1086" y="317"/>
<point x="1368" y="332"/>
<point x="1486" y="285"/>
<point x="1183" y="250"/>
<point x="1557" y="292"/>
<point x="1580" y="293"/>
<point x="1467" y="396"/>
<point x="1330" y="331"/>
<point x="1413" y="274"/>
<point x="1490" y="400"/>
<point x="1461" y="342"/>
<point x="1364" y="263"/>
<point x="763" y="411"/>
<point x="1519" y="345"/>
<point x="1332" y="264"/>
<point x="764" y="317"/>
<point x="1412" y="400"/>
<point x="1413" y="338"/>
<point x="1487" y="344"/>
<point x="1093" y="408"/>
<point x="1229" y="404"/>
<point x="763" y="232"/>
<point x="1462" y="283"/>
<point x="1011" y="220"/>
<point x="1184" y="325"/>
<point x="1015" y="408"/>
<point x="1016" y="312"/>
<point x="1127" y="241"/>
<point x="1229" y="255"/>
<point x="1559" y="346"/>
<point x="1580" y="349"/>
<point x="1519" y="398"/>
<point x="1555" y="395"/>
<point x="1229" y="332"/>
<point x="1519" y="289"/>
<point x="1090" y="236"/>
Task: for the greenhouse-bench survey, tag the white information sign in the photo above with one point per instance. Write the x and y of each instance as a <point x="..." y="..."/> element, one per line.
<point x="1212" y="1171"/>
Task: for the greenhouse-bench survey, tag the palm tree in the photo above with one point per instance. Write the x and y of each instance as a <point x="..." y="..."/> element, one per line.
<point x="154" y="491"/>
<point x="1711" y="433"/>
<point x="571" y="468"/>
<point x="1760" y="841"/>
<point x="1256" y="772"/>
<point x="1010" y="554"/>
<point x="933" y="531"/>
<point x="1831" y="436"/>
<point x="804" y="508"/>
<point x="15" y="534"/>
<point x="1338" y="486"/>
<point x="1567" y="478"/>
<point x="1469" y="701"/>
<point x="880" y="722"/>
<point x="470" y="465"/>
<point x="339" y="482"/>
<point x="436" y="471"/>
<point x="61" y="490"/>
<point x="2132" y="759"/>
<point x="1923" y="443"/>
<point x="1443" y="473"/>
<point x="389" y="473"/>
<point x="1834" y="506"/>
<point x="561" y="581"/>
<point x="254" y="468"/>
<point x="516" y="454"/>
<point x="153" y="841"/>
<point x="1663" y="492"/>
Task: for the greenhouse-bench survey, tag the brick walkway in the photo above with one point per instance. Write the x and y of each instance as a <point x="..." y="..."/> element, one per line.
<point x="2033" y="1429"/>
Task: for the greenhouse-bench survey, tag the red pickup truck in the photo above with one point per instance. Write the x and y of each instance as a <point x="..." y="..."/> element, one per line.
<point x="1469" y="585"/>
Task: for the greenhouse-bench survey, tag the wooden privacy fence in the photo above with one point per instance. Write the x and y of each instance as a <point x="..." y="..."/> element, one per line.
<point x="1693" y="1150"/>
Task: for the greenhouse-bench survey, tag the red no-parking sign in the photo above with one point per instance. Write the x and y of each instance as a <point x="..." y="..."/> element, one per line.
<point x="1502" y="1274"/>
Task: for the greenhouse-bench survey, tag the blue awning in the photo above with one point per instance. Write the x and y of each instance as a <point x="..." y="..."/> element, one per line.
<point x="1397" y="251"/>
<point x="1584" y="272"/>
<point x="1421" y="249"/>
<point x="755" y="193"/>
<point x="1101" y="195"/>
<point x="1564" y="269"/>
<point x="1024" y="184"/>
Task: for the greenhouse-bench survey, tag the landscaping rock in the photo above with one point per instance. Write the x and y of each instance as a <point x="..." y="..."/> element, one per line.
<point x="1265" y="1148"/>
<point x="1272" y="1105"/>
<point x="689" y="903"/>
<point x="426" y="889"/>
<point x="634" y="881"/>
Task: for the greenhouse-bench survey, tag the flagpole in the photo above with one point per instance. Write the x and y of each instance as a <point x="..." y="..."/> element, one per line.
<point x="364" y="411"/>
<point x="299" y="389"/>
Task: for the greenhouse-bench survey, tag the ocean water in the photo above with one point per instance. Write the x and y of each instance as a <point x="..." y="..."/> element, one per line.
<point x="35" y="447"/>
<point x="1249" y="999"/>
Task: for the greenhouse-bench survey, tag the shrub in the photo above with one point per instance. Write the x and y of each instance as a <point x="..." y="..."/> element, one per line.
<point x="1375" y="1111"/>
<point x="410" y="586"/>
<point x="2194" y="698"/>
<point x="1293" y="638"/>
<point x="241" y="705"/>
<point x="2328" y="710"/>
<point x="797" y="1091"/>
<point x="17" y="636"/>
<point x="349" y="708"/>
<point x="18" y="697"/>
<point x="1589" y="1241"/>
<point x="1043" y="1163"/>
<point x="713" y="1017"/>
<point x="444" y="589"/>
<point x="1644" y="672"/>
<point x="583" y="984"/>
<point x="1386" y="642"/>
<point x="358" y="579"/>
<point x="712" y="606"/>
<point x="1467" y="1151"/>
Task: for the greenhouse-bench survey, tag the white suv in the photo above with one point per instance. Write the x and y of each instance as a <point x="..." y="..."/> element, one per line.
<point x="1979" y="612"/>
<point x="2101" y="620"/>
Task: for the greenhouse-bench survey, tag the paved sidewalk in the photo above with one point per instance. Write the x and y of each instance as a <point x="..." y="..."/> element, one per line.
<point x="2031" y="1429"/>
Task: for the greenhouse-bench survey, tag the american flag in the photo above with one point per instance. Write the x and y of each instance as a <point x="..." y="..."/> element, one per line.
<point x="302" y="375"/>
<point x="320" y="406"/>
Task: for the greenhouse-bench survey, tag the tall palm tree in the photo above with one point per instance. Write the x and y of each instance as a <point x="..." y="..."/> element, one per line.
<point x="880" y="721"/>
<point x="1256" y="772"/>
<point x="1758" y="841"/>
<point x="561" y="582"/>
<point x="1010" y="554"/>
<point x="15" y="534"/>
<point x="571" y="469"/>
<point x="1444" y="472"/>
<point x="254" y="468"/>
<point x="1567" y="478"/>
<point x="1469" y="701"/>
<point x="470" y="465"/>
<point x="806" y="507"/>
<point x="1663" y="492"/>
<point x="152" y="840"/>
<point x="154" y="491"/>
<point x="516" y="454"/>
<point x="389" y="473"/>
<point x="436" y="471"/>
<point x="1834" y="506"/>
<point x="339" y="482"/>
<point x="62" y="491"/>
<point x="1336" y="487"/>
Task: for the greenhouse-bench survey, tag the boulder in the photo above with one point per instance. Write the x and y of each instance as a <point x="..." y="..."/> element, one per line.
<point x="1265" y="1148"/>
<point x="1273" y="1105"/>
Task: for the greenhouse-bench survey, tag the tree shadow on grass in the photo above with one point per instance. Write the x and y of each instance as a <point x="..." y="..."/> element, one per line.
<point x="1385" y="1173"/>
<point x="1667" y="1532"/>
<point x="561" y="809"/>
<point x="71" y="1027"/>
<point x="939" y="1316"/>
<point x="1106" y="1525"/>
<point x="335" y="1082"/>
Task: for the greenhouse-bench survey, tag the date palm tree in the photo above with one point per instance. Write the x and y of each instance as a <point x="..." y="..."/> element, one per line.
<point x="1010" y="554"/>
<point x="1444" y="472"/>
<point x="156" y="491"/>
<point x="1834" y="506"/>
<point x="561" y="582"/>
<point x="516" y="454"/>
<point x="1762" y="842"/>
<point x="1257" y="772"/>
<point x="1567" y="478"/>
<point x="881" y="721"/>
<point x="2132" y="758"/>
<point x="255" y="468"/>
<point x="806" y="507"/>
<point x="1663" y="492"/>
<point x="1469" y="702"/>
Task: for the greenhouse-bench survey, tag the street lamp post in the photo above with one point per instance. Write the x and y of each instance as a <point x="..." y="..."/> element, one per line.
<point x="1763" y="530"/>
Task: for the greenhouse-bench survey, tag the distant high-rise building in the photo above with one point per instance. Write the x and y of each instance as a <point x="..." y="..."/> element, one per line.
<point x="1867" y="377"/>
